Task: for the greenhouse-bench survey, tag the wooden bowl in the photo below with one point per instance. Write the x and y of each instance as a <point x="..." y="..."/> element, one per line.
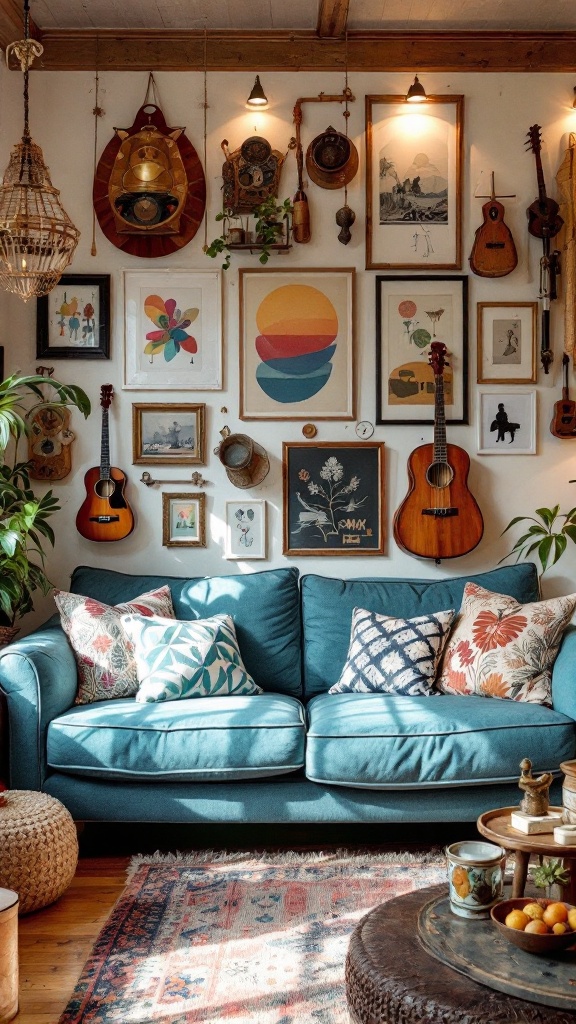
<point x="530" y="941"/>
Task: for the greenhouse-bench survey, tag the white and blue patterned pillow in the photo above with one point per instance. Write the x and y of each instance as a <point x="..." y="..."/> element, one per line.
<point x="391" y="655"/>
<point x="196" y="658"/>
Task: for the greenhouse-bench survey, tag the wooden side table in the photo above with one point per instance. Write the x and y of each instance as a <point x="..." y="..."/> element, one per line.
<point x="495" y="826"/>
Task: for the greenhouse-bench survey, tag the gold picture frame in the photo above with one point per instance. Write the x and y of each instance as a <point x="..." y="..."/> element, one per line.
<point x="168" y="434"/>
<point x="185" y="513"/>
<point x="506" y="339"/>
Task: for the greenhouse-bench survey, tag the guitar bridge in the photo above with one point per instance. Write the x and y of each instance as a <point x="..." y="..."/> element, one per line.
<point x="440" y="513"/>
<point x="104" y="519"/>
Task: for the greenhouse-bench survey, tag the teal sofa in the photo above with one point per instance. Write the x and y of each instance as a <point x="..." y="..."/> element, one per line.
<point x="294" y="753"/>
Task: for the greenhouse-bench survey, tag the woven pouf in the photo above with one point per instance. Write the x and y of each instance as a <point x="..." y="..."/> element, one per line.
<point x="38" y="847"/>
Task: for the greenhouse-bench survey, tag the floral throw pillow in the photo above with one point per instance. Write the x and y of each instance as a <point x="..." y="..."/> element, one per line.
<point x="103" y="652"/>
<point x="500" y="648"/>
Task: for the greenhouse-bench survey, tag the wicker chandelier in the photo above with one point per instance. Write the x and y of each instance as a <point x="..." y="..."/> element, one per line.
<point x="37" y="237"/>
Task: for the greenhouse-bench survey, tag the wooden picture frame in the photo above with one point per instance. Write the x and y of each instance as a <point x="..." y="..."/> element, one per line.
<point x="411" y="313"/>
<point x="73" y="320"/>
<point x="333" y="498"/>
<point x="297" y="359"/>
<point x="245" y="529"/>
<point x="168" y="434"/>
<point x="506" y="422"/>
<point x="187" y="513"/>
<point x="414" y="161"/>
<point x="506" y="342"/>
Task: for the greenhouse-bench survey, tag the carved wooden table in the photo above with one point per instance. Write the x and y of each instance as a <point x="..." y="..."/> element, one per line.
<point x="391" y="979"/>
<point x="495" y="826"/>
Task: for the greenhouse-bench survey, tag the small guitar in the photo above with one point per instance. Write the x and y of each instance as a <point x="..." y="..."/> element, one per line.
<point x="105" y="514"/>
<point x="439" y="517"/>
<point x="493" y="253"/>
<point x="564" y="419"/>
<point x="544" y="221"/>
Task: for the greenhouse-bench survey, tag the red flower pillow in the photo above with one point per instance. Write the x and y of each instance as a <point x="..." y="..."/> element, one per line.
<point x="500" y="648"/>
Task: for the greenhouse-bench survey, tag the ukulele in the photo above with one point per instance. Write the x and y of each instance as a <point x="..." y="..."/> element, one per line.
<point x="493" y="252"/>
<point x="105" y="514"/>
<point x="564" y="419"/>
<point x="439" y="517"/>
<point x="544" y="221"/>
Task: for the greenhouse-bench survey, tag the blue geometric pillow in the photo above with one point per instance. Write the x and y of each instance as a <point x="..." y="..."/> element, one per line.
<point x="197" y="658"/>
<point x="389" y="655"/>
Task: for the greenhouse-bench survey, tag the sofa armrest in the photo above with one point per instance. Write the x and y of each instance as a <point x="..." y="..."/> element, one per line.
<point x="564" y="675"/>
<point x="38" y="680"/>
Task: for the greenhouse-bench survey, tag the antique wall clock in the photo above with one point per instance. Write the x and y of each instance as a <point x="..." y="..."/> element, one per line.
<point x="251" y="174"/>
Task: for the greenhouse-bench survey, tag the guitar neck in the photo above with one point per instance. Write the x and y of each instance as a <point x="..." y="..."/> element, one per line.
<point x="440" y="445"/>
<point x="105" y="448"/>
<point x="542" y="197"/>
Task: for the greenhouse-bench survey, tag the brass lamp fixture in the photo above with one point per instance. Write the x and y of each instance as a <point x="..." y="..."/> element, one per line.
<point x="37" y="237"/>
<point x="416" y="93"/>
<point x="257" y="99"/>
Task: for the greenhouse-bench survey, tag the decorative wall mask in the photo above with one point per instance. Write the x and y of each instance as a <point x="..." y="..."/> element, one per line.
<point x="251" y="174"/>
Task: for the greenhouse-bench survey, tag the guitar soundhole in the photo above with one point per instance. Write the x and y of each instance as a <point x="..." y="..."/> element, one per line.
<point x="105" y="488"/>
<point x="439" y="474"/>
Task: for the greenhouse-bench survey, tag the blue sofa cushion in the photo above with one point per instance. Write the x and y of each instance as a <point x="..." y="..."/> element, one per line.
<point x="265" y="607"/>
<point x="327" y="606"/>
<point x="191" y="740"/>
<point x="384" y="741"/>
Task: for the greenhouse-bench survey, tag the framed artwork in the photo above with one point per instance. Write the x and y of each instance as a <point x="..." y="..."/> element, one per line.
<point x="297" y="344"/>
<point x="245" y="529"/>
<point x="506" y="339"/>
<point x="414" y="183"/>
<point x="411" y="313"/>
<point x="333" y="498"/>
<point x="173" y="330"/>
<point x="506" y="422"/>
<point x="73" y="320"/>
<point x="167" y="433"/>
<point x="184" y="520"/>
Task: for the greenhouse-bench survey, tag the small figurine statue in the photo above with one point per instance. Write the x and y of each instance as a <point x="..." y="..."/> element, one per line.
<point x="535" y="800"/>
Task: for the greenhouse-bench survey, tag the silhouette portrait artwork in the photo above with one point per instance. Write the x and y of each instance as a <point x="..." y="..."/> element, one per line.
<point x="502" y="424"/>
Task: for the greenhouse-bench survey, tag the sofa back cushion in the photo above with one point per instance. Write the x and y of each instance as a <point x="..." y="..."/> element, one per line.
<point x="327" y="606"/>
<point x="263" y="605"/>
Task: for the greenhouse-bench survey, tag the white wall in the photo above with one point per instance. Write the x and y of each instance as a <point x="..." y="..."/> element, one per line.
<point x="498" y="111"/>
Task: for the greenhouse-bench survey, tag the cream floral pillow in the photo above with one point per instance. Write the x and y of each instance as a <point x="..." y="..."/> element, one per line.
<point x="500" y="648"/>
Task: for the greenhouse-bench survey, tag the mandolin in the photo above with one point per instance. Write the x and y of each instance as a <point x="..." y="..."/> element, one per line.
<point x="439" y="517"/>
<point x="564" y="419"/>
<point x="105" y="514"/>
<point x="493" y="252"/>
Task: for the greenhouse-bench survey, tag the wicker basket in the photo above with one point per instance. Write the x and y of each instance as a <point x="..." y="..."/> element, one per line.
<point x="38" y="848"/>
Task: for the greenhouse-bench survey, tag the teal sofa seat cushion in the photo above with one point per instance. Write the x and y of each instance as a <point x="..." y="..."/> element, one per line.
<point x="216" y="739"/>
<point x="384" y="741"/>
<point x="265" y="607"/>
<point x="327" y="606"/>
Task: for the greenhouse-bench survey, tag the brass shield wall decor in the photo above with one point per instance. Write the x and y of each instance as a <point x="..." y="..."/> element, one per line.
<point x="251" y="174"/>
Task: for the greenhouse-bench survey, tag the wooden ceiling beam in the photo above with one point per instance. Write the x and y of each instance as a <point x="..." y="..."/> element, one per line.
<point x="11" y="22"/>
<point x="332" y="18"/>
<point x="143" y="50"/>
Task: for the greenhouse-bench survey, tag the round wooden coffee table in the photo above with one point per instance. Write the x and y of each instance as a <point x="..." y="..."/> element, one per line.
<point x="391" y="979"/>
<point x="495" y="826"/>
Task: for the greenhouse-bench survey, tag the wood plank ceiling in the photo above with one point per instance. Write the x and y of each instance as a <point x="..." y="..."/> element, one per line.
<point x="299" y="35"/>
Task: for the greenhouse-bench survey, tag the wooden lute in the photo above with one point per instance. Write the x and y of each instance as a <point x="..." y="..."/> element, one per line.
<point x="564" y="419"/>
<point x="105" y="514"/>
<point x="493" y="252"/>
<point x="439" y="517"/>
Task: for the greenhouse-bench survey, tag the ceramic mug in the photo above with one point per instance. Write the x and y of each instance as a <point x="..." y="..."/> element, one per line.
<point x="475" y="877"/>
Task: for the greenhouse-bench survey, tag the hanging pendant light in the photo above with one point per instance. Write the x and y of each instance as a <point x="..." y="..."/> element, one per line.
<point x="37" y="237"/>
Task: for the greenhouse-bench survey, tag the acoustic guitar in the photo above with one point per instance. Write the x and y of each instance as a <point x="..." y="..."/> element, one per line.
<point x="564" y="419"/>
<point x="493" y="252"/>
<point x="439" y="517"/>
<point x="105" y="514"/>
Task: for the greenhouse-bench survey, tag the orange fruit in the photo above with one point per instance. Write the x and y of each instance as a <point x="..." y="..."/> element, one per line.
<point x="534" y="911"/>
<point x="539" y="928"/>
<point x="559" y="928"/>
<point x="516" y="919"/>
<point x="555" y="913"/>
<point x="572" y="918"/>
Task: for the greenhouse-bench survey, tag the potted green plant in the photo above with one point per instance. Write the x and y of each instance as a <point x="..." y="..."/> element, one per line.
<point x="543" y="537"/>
<point x="24" y="529"/>
<point x="272" y="222"/>
<point x="551" y="875"/>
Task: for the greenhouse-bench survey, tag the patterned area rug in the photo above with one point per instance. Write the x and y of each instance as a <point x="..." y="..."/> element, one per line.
<point x="253" y="939"/>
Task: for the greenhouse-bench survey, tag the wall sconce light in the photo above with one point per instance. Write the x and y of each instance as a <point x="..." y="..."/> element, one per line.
<point x="257" y="99"/>
<point x="574" y="100"/>
<point x="416" y="93"/>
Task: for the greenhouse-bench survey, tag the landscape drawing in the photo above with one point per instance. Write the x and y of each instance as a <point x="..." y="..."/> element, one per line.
<point x="413" y="184"/>
<point x="162" y="434"/>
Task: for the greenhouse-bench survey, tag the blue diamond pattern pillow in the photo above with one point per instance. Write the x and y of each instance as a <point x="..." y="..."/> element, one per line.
<point x="197" y="658"/>
<point x="389" y="655"/>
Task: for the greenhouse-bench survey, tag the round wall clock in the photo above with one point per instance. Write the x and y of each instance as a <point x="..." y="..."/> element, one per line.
<point x="364" y="429"/>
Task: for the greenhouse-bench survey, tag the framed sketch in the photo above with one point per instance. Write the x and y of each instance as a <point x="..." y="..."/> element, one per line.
<point x="506" y="422"/>
<point x="184" y="520"/>
<point x="245" y="529"/>
<point x="73" y="320"/>
<point x="297" y="344"/>
<point x="411" y="313"/>
<point x="173" y="330"/>
<point x="414" y="183"/>
<point x="167" y="433"/>
<point x="333" y="498"/>
<point x="506" y="339"/>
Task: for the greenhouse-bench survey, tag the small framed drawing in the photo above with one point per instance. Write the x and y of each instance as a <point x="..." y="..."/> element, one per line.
<point x="245" y="529"/>
<point x="184" y="520"/>
<point x="167" y="433"/>
<point x="506" y="422"/>
<point x="333" y="498"/>
<point x="506" y="339"/>
<point x="73" y="320"/>
<point x="411" y="313"/>
<point x="414" y="183"/>
<point x="173" y="330"/>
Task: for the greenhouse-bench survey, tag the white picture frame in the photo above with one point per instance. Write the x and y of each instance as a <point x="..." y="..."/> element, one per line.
<point x="245" y="529"/>
<point x="506" y="422"/>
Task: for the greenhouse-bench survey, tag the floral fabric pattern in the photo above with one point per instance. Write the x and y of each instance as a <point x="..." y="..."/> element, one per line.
<point x="104" y="654"/>
<point x="500" y="648"/>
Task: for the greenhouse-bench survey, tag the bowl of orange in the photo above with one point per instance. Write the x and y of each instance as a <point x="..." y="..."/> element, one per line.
<point x="536" y="925"/>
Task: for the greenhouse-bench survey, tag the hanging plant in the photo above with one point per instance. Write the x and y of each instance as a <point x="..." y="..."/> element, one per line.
<point x="272" y="221"/>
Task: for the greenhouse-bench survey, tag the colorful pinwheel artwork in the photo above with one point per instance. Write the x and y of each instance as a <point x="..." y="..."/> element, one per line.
<point x="172" y="323"/>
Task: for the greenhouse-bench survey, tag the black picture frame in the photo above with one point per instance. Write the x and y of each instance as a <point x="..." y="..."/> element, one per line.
<point x="49" y="329"/>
